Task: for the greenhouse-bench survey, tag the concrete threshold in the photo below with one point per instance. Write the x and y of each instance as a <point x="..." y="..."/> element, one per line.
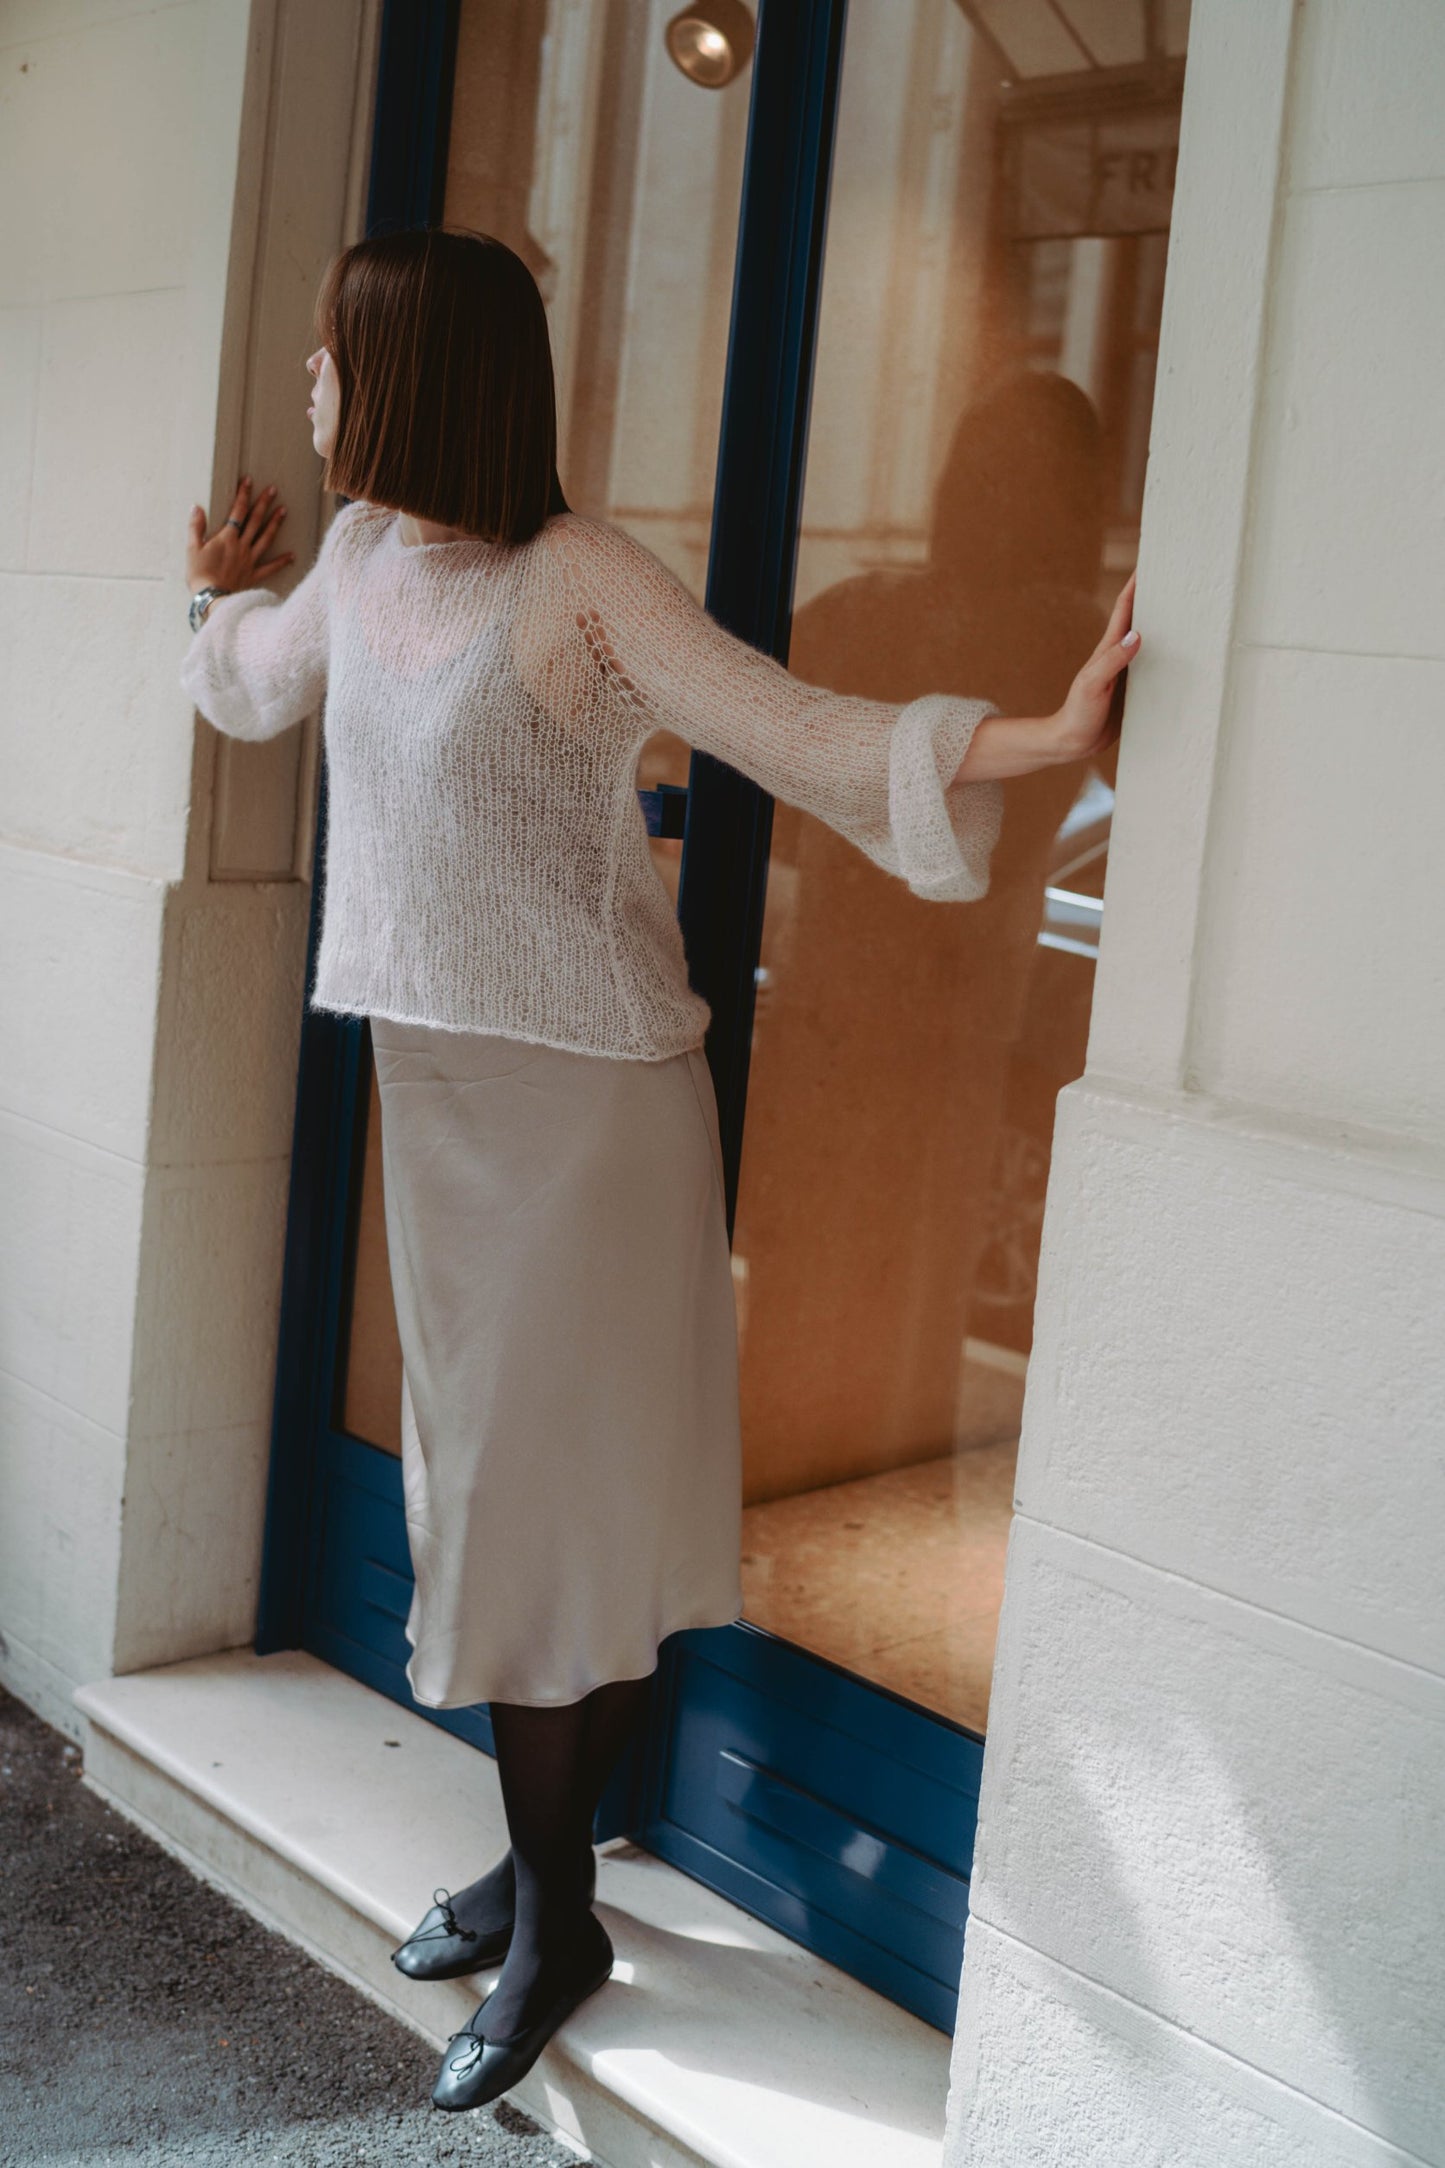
<point x="330" y="1814"/>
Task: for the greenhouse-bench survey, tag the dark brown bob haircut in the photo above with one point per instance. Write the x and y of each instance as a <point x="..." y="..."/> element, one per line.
<point x="448" y="405"/>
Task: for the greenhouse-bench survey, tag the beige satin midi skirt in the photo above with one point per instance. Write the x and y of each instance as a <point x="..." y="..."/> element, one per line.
<point x="570" y="1448"/>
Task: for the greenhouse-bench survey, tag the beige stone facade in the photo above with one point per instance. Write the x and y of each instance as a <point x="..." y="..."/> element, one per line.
<point x="1207" y="1915"/>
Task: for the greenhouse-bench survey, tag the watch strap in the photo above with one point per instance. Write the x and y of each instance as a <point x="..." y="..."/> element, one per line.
<point x="201" y="602"/>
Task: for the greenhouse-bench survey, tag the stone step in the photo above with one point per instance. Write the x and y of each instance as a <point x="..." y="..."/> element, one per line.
<point x="330" y="1814"/>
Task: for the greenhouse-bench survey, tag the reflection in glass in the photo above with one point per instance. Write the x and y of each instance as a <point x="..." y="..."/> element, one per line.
<point x="974" y="478"/>
<point x="577" y="140"/>
<point x="711" y="41"/>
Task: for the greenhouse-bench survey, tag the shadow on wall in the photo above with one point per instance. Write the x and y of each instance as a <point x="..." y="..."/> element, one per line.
<point x="1176" y="1815"/>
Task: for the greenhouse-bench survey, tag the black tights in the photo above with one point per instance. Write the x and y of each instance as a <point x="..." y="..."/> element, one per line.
<point x="553" y="1763"/>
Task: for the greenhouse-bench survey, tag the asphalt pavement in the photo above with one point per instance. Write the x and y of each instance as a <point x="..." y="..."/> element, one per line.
<point x="146" y="2020"/>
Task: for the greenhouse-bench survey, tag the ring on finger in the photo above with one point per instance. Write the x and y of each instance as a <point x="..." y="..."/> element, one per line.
<point x="236" y="524"/>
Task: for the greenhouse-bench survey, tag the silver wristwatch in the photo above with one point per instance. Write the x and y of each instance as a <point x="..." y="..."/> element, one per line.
<point x="201" y="601"/>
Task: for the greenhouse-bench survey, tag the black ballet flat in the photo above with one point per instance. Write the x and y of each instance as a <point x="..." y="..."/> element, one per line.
<point x="475" y="2070"/>
<point x="440" y="1948"/>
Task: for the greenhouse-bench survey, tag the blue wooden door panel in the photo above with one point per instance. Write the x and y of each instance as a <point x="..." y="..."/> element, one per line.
<point x="759" y="1790"/>
<point x="773" y="1802"/>
<point x="361" y="1581"/>
<point x="937" y="1758"/>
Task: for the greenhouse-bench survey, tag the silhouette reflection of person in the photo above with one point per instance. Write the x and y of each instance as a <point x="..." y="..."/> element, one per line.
<point x="885" y="1023"/>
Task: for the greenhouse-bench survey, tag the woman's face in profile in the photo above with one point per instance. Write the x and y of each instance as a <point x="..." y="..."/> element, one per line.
<point x="325" y="408"/>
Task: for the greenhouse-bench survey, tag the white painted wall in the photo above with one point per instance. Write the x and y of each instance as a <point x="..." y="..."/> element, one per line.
<point x="158" y="258"/>
<point x="1209" y="1914"/>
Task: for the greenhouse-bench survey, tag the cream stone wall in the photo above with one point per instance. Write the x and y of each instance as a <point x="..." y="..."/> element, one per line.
<point x="1208" y="1915"/>
<point x="1207" y="1925"/>
<point x="174" y="177"/>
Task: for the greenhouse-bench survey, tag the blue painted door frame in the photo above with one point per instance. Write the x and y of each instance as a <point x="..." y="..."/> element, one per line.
<point x="828" y="1806"/>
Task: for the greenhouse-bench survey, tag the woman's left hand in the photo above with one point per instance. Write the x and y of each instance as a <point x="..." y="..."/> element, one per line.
<point x="236" y="555"/>
<point x="1090" y="717"/>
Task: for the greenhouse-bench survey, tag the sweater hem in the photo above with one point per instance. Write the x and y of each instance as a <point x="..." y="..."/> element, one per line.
<point x="559" y="1045"/>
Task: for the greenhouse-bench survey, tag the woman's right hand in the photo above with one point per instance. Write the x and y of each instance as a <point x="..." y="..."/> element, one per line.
<point x="235" y="555"/>
<point x="1089" y="720"/>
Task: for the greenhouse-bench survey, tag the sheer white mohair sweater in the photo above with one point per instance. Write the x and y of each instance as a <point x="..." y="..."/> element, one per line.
<point x="486" y="863"/>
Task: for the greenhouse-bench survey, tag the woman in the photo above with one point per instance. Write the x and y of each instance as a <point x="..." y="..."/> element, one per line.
<point x="492" y="664"/>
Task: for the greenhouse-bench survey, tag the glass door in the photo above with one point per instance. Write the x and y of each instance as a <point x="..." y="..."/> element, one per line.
<point x="977" y="353"/>
<point x="574" y="136"/>
<point x="981" y="403"/>
<point x="1001" y="183"/>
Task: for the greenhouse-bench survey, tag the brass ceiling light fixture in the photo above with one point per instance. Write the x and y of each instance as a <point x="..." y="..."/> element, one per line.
<point x="712" y="42"/>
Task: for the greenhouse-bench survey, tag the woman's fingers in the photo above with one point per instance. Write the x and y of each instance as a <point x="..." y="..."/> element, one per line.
<point x="232" y="555"/>
<point x="1120" y="643"/>
<point x="256" y="519"/>
<point x="195" y="542"/>
<point x="1119" y="616"/>
<point x="1104" y="665"/>
<point x="1095" y="705"/>
<point x="1119" y="656"/>
<point x="1118" y="624"/>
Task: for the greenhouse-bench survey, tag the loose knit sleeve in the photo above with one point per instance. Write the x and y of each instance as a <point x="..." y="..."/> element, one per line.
<point x="880" y="774"/>
<point x="258" y="663"/>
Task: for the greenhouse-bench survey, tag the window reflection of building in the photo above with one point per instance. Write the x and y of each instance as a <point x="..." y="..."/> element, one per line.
<point x="577" y="141"/>
<point x="985" y="371"/>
